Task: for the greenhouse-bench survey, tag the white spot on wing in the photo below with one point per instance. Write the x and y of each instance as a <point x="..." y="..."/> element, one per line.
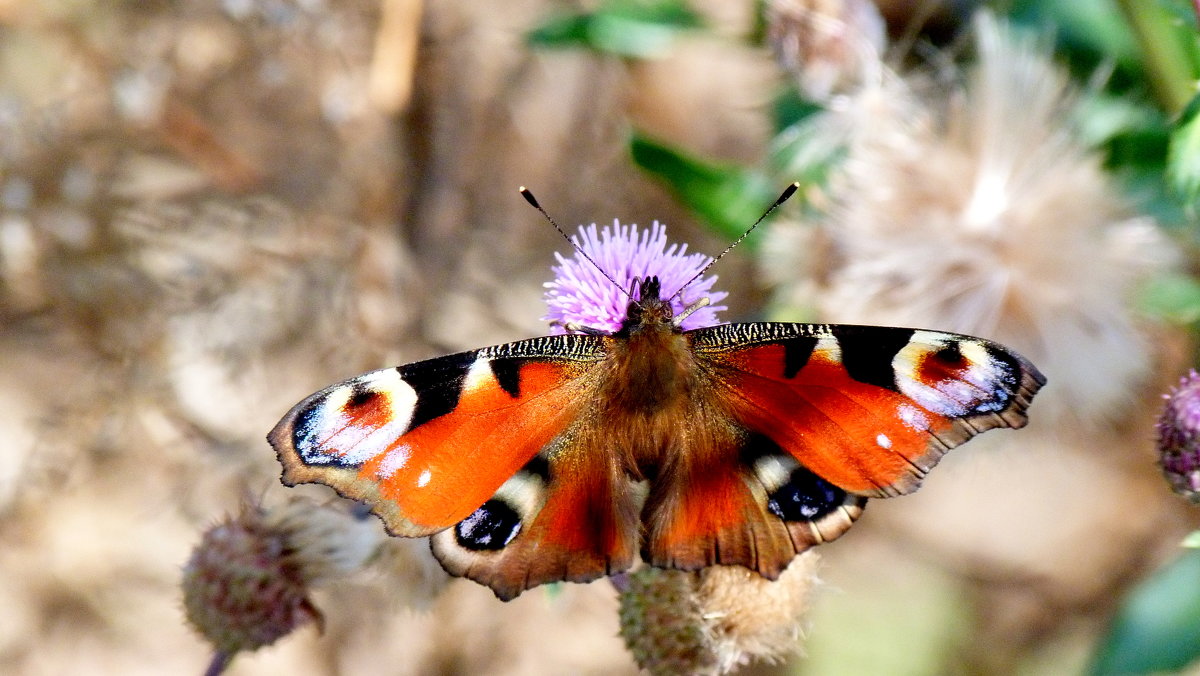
<point x="479" y="374"/>
<point x="883" y="441"/>
<point x="524" y="492"/>
<point x="774" y="470"/>
<point x="423" y="480"/>
<point x="395" y="459"/>
<point x="913" y="417"/>
<point x="828" y="348"/>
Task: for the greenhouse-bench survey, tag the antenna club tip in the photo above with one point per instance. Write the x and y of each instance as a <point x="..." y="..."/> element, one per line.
<point x="529" y="197"/>
<point x="788" y="192"/>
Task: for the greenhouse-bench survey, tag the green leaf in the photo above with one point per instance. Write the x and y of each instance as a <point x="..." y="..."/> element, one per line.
<point x="629" y="28"/>
<point x="791" y="108"/>
<point x="1183" y="158"/>
<point x="1158" y="627"/>
<point x="728" y="197"/>
<point x="1101" y="118"/>
<point x="1174" y="297"/>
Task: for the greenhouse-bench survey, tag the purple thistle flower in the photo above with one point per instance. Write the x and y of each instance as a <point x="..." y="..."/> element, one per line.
<point x="1179" y="437"/>
<point x="581" y="294"/>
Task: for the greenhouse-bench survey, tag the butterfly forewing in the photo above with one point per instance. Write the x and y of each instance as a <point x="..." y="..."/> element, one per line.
<point x="868" y="409"/>
<point x="428" y="443"/>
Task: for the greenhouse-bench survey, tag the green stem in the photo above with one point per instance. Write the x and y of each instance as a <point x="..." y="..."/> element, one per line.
<point x="1169" y="58"/>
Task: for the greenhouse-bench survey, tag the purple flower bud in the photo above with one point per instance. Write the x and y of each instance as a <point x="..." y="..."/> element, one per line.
<point x="1179" y="437"/>
<point x="581" y="294"/>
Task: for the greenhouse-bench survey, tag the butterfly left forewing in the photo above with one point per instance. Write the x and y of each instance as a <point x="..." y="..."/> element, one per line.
<point x="868" y="409"/>
<point x="496" y="453"/>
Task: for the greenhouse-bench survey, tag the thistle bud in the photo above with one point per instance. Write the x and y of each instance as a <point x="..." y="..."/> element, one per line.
<point x="662" y="625"/>
<point x="1179" y="437"/>
<point x="247" y="582"/>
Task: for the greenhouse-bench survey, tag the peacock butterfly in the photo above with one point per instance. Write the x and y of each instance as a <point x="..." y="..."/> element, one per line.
<point x="564" y="457"/>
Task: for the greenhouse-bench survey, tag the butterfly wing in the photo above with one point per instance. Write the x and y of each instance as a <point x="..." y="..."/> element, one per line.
<point x="476" y="447"/>
<point x="797" y="425"/>
<point x="868" y="409"/>
<point x="578" y="521"/>
<point x="427" y="443"/>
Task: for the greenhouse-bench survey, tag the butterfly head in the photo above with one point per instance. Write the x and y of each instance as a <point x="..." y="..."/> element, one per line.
<point x="647" y="309"/>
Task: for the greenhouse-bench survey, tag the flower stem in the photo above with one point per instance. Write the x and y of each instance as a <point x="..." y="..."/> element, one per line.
<point x="219" y="663"/>
<point x="1169" y="58"/>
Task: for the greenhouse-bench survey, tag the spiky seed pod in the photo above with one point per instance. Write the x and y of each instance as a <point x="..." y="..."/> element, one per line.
<point x="715" y="620"/>
<point x="662" y="624"/>
<point x="242" y="587"/>
<point x="1179" y="437"/>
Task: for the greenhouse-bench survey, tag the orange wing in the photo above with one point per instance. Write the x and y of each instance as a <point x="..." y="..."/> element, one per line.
<point x="475" y="449"/>
<point x="869" y="409"/>
<point x="424" y="445"/>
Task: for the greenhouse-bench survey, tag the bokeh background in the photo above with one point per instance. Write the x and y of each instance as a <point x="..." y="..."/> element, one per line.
<point x="211" y="208"/>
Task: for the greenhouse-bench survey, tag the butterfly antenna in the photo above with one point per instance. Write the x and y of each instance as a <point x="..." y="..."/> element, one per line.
<point x="791" y="190"/>
<point x="534" y="203"/>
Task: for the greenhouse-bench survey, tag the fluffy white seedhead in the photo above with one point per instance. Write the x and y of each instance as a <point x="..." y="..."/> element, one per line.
<point x="976" y="209"/>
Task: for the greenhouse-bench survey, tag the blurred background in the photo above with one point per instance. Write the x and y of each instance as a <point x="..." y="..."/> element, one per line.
<point x="211" y="208"/>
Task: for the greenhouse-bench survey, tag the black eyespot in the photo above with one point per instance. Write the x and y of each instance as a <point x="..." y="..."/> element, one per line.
<point x="360" y="396"/>
<point x="951" y="355"/>
<point x="489" y="528"/>
<point x="805" y="497"/>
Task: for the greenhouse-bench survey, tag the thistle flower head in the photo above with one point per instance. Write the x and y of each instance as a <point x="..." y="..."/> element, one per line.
<point x="581" y="294"/>
<point x="1179" y="437"/>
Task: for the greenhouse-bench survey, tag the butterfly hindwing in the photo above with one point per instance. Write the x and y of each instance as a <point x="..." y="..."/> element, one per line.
<point x="578" y="520"/>
<point x="426" y="444"/>
<point x="740" y="500"/>
<point x="869" y="410"/>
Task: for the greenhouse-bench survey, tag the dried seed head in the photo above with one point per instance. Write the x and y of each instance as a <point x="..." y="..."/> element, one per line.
<point x="247" y="583"/>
